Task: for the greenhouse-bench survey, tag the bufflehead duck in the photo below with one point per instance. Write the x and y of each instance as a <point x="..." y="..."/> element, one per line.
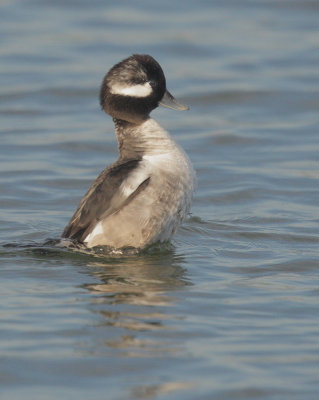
<point x="143" y="197"/>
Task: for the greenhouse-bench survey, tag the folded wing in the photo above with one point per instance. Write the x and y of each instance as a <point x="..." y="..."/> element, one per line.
<point x="112" y="190"/>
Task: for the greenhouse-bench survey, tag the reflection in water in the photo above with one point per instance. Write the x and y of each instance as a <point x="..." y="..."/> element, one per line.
<point x="132" y="298"/>
<point x="149" y="391"/>
<point x="131" y="320"/>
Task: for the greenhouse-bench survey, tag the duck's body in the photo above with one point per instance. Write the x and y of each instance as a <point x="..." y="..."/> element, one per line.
<point x="142" y="197"/>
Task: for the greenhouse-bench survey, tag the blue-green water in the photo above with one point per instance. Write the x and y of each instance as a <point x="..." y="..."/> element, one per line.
<point x="231" y="310"/>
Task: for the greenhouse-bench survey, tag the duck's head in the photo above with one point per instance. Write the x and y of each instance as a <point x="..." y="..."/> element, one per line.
<point x="134" y="87"/>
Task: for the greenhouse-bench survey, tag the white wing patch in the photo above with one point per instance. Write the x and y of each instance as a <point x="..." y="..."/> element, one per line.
<point x="134" y="180"/>
<point x="134" y="91"/>
<point x="98" y="230"/>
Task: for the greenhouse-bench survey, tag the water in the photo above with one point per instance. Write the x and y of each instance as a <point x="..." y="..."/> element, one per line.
<point x="230" y="309"/>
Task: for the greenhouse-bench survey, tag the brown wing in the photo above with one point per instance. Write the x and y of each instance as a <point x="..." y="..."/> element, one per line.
<point x="102" y="199"/>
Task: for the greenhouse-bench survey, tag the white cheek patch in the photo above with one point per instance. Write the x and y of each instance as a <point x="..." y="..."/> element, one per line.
<point x="134" y="91"/>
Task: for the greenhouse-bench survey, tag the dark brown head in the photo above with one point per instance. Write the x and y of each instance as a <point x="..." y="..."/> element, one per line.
<point x="134" y="87"/>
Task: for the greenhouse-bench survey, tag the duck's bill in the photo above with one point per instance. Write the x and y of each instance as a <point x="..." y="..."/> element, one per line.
<point x="169" y="101"/>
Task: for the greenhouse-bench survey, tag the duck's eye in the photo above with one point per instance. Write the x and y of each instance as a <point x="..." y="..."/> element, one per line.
<point x="138" y="81"/>
<point x="153" y="83"/>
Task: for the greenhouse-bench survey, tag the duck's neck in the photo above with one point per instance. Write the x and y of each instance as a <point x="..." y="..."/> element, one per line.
<point x="138" y="139"/>
<point x="127" y="139"/>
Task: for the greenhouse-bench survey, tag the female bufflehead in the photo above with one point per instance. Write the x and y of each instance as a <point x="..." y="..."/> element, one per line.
<point x="142" y="197"/>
